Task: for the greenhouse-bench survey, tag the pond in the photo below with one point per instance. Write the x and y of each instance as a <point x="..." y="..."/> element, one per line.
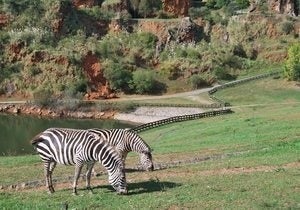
<point x="16" y="131"/>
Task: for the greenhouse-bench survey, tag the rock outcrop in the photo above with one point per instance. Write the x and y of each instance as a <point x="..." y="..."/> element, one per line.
<point x="97" y="82"/>
<point x="284" y="7"/>
<point x="178" y="8"/>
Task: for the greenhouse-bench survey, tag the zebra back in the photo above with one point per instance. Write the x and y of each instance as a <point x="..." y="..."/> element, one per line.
<point x="124" y="140"/>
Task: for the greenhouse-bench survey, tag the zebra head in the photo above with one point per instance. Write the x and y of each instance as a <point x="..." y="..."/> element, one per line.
<point x="137" y="144"/>
<point x="146" y="161"/>
<point x="117" y="179"/>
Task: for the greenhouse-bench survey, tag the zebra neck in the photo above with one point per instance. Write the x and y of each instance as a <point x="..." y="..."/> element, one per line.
<point x="106" y="156"/>
<point x="138" y="146"/>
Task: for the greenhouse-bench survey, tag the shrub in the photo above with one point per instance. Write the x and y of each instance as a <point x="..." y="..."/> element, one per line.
<point x="144" y="8"/>
<point x="238" y="50"/>
<point x="292" y="65"/>
<point x="197" y="81"/>
<point x="223" y="74"/>
<point x="287" y="27"/>
<point x="203" y="12"/>
<point x="242" y="4"/>
<point x="170" y="69"/>
<point x="43" y="97"/>
<point x="117" y="76"/>
<point x="126" y="107"/>
<point x="143" y="81"/>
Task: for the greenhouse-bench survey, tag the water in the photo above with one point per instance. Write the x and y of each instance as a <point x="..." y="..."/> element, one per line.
<point x="17" y="131"/>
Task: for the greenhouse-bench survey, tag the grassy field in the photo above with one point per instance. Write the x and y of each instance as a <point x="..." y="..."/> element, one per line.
<point x="250" y="160"/>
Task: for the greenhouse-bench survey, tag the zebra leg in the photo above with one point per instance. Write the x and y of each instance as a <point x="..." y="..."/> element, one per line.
<point x="78" y="168"/>
<point x="48" y="177"/>
<point x="88" y="176"/>
<point x="124" y="155"/>
<point x="51" y="168"/>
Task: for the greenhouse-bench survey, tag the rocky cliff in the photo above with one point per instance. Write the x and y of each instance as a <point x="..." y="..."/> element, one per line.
<point x="289" y="7"/>
<point x="177" y="7"/>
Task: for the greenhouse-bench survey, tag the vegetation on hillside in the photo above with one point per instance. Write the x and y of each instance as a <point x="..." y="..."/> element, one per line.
<point x="292" y="65"/>
<point x="44" y="43"/>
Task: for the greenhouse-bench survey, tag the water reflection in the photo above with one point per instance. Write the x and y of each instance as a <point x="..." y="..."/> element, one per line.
<point x="17" y="131"/>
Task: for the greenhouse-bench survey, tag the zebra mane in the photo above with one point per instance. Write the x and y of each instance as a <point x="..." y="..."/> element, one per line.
<point x="131" y="133"/>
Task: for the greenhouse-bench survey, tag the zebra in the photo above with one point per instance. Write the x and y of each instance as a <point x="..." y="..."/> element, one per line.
<point x="124" y="141"/>
<point x="78" y="147"/>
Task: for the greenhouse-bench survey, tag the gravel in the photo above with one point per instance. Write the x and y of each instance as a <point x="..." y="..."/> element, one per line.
<point x="150" y="114"/>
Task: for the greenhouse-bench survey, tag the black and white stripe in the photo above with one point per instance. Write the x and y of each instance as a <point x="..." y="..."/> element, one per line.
<point x="125" y="141"/>
<point x="78" y="147"/>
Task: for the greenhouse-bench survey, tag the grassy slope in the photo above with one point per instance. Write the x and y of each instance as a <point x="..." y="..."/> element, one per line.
<point x="262" y="170"/>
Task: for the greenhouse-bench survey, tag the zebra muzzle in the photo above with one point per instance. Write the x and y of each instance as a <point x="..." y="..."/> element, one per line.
<point x="122" y="192"/>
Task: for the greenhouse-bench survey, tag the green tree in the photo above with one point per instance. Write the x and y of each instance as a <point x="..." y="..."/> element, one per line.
<point x="292" y="65"/>
<point x="143" y="81"/>
<point x="117" y="76"/>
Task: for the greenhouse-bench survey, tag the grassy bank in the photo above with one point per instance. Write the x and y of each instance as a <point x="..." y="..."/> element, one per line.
<point x="251" y="161"/>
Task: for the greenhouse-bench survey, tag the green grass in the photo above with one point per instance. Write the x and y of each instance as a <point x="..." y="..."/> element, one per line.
<point x="264" y="91"/>
<point x="254" y="164"/>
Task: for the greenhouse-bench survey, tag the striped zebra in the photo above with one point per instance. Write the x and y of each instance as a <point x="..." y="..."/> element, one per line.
<point x="78" y="147"/>
<point x="124" y="141"/>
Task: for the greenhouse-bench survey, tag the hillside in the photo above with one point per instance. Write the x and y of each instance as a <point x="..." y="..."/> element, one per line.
<point x="98" y="49"/>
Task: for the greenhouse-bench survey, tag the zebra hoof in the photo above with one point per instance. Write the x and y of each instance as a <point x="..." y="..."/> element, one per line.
<point x="74" y="193"/>
<point x="90" y="190"/>
<point x="51" y="190"/>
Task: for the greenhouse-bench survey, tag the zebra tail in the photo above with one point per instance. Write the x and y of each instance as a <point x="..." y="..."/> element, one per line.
<point x="36" y="139"/>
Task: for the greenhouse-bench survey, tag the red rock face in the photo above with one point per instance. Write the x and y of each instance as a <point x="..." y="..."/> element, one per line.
<point x="176" y="7"/>
<point x="98" y="84"/>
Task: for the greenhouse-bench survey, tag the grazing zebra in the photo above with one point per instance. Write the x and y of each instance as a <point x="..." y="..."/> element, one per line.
<point x="77" y="147"/>
<point x="124" y="141"/>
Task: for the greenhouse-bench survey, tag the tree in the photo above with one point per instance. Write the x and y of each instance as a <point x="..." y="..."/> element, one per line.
<point x="143" y="81"/>
<point x="117" y="76"/>
<point x="292" y="65"/>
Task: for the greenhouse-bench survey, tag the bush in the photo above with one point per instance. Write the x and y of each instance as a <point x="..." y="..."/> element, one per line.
<point x="144" y="8"/>
<point x="292" y="65"/>
<point x="171" y="70"/>
<point x="118" y="77"/>
<point x="43" y="97"/>
<point x="242" y="4"/>
<point x="126" y="107"/>
<point x="238" y="50"/>
<point x="287" y="27"/>
<point x="223" y="74"/>
<point x="143" y="81"/>
<point x="197" y="81"/>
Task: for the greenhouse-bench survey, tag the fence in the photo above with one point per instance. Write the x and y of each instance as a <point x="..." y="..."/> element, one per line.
<point x="181" y="118"/>
<point x="238" y="82"/>
<point x="204" y="114"/>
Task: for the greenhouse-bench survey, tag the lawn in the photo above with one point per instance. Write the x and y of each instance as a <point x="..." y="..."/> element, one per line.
<point x="246" y="160"/>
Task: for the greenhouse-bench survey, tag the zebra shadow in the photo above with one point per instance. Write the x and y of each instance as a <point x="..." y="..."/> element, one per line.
<point x="146" y="187"/>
